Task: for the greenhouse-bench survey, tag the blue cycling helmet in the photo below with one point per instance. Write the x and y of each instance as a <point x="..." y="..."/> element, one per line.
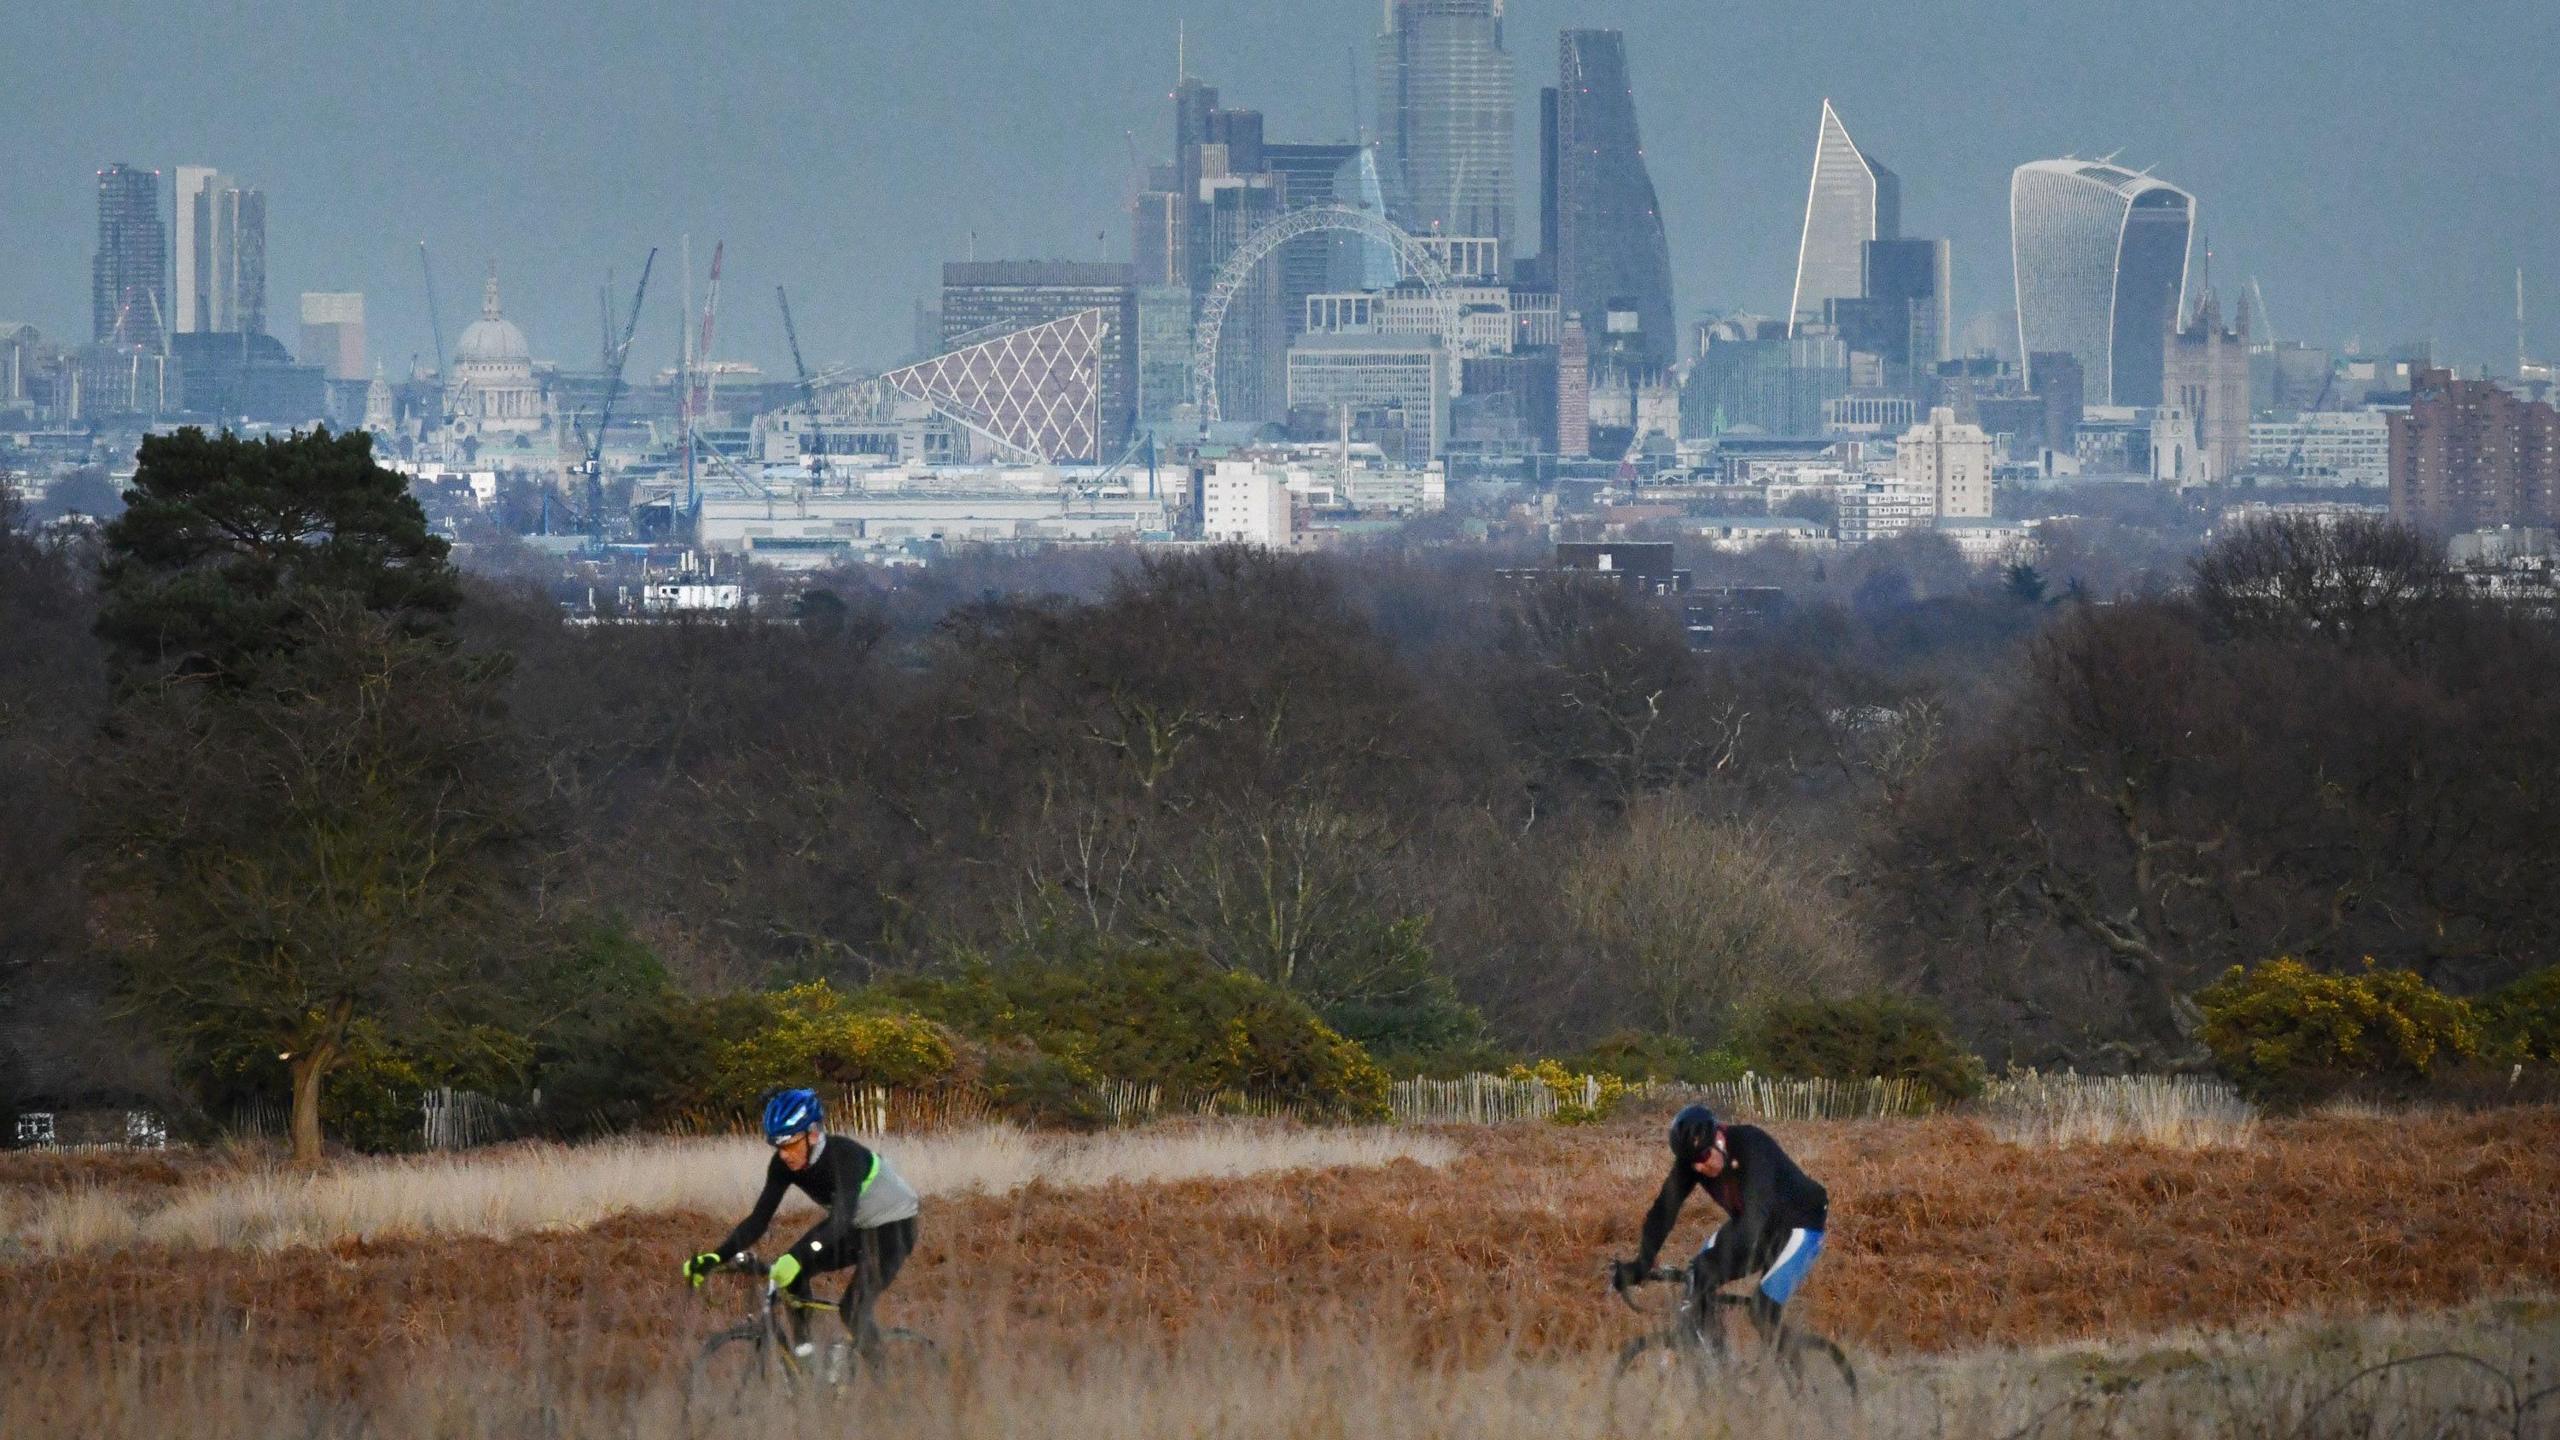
<point x="789" y="1112"/>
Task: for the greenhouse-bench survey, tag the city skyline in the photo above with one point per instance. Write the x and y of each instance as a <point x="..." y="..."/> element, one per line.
<point x="2359" y="234"/>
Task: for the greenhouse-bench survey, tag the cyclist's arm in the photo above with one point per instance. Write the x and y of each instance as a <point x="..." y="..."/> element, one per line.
<point x="1665" y="1211"/>
<point x="751" y="1229"/>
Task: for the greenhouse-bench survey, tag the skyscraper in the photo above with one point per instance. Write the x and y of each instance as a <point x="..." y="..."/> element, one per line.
<point x="221" y="253"/>
<point x="1445" y="116"/>
<point x="1852" y="200"/>
<point x="128" y="289"/>
<point x="1910" y="281"/>
<point x="2100" y="255"/>
<point x="1608" y="225"/>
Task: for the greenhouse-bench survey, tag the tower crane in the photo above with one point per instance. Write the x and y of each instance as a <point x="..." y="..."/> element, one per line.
<point x="594" y="467"/>
<point x="435" y="326"/>
<point x="808" y="390"/>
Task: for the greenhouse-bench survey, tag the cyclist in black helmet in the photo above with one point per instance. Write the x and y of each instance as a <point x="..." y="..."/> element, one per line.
<point x="869" y="1227"/>
<point x="1774" y="1213"/>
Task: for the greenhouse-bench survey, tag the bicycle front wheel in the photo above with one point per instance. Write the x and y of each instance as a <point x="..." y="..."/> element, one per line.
<point x="736" y="1369"/>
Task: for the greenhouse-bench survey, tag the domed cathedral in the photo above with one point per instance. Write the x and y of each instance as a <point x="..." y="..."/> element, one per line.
<point x="492" y="395"/>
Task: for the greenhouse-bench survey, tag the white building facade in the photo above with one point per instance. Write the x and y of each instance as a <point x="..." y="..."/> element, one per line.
<point x="2339" y="447"/>
<point x="1247" y="502"/>
<point x="1951" y="461"/>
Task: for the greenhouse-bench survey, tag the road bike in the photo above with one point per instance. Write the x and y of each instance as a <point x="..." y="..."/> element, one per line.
<point x="773" y="1348"/>
<point x="1695" y="1343"/>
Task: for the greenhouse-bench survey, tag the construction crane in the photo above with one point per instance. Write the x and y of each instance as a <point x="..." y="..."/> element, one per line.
<point x="612" y="391"/>
<point x="808" y="390"/>
<point x="435" y="326"/>
<point x="705" y="383"/>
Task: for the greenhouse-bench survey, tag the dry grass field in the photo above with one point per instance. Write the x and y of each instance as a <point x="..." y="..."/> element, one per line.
<point x="1448" y="1287"/>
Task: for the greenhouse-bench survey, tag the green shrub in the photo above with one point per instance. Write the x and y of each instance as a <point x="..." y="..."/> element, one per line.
<point x="810" y="1035"/>
<point x="1635" y="1056"/>
<point x="1171" y="1018"/>
<point x="2521" y="1023"/>
<point x="2286" y="1031"/>
<point x="642" y="1062"/>
<point x="1861" y="1037"/>
<point x="371" y="1098"/>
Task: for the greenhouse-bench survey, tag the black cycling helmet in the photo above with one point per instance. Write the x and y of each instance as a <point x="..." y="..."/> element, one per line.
<point x="1693" y="1130"/>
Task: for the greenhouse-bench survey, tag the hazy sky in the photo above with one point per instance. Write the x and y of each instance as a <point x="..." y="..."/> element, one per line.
<point x="2381" y="167"/>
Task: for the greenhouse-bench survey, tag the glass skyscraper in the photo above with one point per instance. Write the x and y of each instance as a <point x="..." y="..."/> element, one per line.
<point x="1607" y="227"/>
<point x="1445" y="117"/>
<point x="1851" y="201"/>
<point x="128" y="278"/>
<point x="2100" y="255"/>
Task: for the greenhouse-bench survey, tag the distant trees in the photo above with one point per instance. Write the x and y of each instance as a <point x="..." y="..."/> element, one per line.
<point x="2321" y="750"/>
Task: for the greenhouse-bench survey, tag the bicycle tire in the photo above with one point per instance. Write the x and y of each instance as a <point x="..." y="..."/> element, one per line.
<point x="733" y="1369"/>
<point x="1795" y="1348"/>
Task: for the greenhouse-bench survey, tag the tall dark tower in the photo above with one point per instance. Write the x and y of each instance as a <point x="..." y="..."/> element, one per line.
<point x="1610" y="251"/>
<point x="129" y="278"/>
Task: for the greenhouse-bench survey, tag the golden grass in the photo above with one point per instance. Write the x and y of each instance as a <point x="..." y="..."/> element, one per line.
<point x="527" y="1189"/>
<point x="2175" y="1112"/>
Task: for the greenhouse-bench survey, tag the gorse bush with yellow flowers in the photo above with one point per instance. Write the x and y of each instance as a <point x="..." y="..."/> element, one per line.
<point x="2283" y="1030"/>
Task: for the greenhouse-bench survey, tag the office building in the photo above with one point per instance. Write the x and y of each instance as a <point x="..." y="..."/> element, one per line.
<point x="1445" y="117"/>
<point x="1910" y="285"/>
<point x="2099" y="255"/>
<point x="982" y="299"/>
<point x="1751" y="377"/>
<point x="2471" y="454"/>
<point x="2059" y="386"/>
<point x="1851" y="201"/>
<point x="1394" y="391"/>
<point x="1951" y="462"/>
<point x="128" y="288"/>
<point x="1608" y="237"/>
<point x="1312" y="175"/>
<point x="1247" y="502"/>
<point x="2325" y="447"/>
<point x="221" y="257"/>
<point x="333" y="334"/>
<point x="1164" y="353"/>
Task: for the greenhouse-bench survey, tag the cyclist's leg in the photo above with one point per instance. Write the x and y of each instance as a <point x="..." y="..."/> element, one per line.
<point x="795" y="1328"/>
<point x="1782" y="1274"/>
<point x="1718" y="1263"/>
<point x="880" y="1252"/>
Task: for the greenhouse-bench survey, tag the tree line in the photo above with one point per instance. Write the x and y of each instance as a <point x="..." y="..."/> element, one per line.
<point x="287" y="784"/>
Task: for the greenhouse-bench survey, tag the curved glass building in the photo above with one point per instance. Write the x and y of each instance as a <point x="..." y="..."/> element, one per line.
<point x="2100" y="254"/>
<point x="1609" y="239"/>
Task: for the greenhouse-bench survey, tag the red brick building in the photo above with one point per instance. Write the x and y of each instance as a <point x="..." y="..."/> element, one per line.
<point x="2469" y="454"/>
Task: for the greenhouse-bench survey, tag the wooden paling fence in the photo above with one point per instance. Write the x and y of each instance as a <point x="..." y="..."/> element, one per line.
<point x="1763" y="1097"/>
<point x="450" y="1119"/>
<point x="1472" y="1100"/>
<point x="1500" y="1100"/>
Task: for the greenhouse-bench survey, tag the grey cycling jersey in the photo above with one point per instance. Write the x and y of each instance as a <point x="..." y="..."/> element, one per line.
<point x="886" y="1199"/>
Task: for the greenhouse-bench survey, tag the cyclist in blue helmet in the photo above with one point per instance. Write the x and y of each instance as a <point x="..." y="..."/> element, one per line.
<point x="1774" y="1213"/>
<point x="870" y="1221"/>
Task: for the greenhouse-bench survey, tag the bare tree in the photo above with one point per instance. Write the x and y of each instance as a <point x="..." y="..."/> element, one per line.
<point x="1701" y="916"/>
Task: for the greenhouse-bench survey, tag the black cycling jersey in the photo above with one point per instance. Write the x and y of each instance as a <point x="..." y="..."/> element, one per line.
<point x="834" y="1178"/>
<point x="1761" y="1189"/>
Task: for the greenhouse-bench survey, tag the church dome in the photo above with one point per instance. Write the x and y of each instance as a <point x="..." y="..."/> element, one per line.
<point x="493" y="338"/>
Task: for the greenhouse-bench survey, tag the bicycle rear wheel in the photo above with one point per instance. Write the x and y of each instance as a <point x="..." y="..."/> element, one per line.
<point x="1819" y="1371"/>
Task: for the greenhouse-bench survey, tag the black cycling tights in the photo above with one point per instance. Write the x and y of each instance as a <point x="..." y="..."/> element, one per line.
<point x="878" y="1254"/>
